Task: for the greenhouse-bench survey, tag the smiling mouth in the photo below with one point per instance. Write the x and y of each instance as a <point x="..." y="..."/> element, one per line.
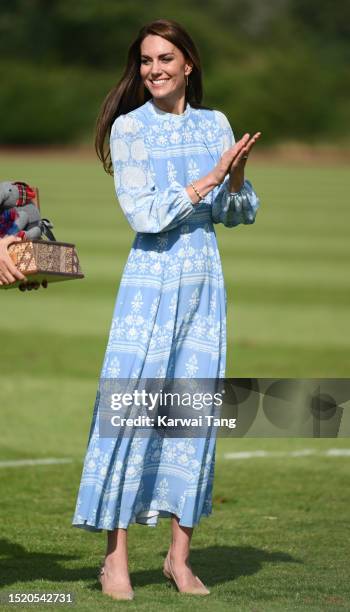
<point x="159" y="82"/>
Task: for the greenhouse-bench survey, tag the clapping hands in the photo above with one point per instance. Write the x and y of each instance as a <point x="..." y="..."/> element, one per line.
<point x="233" y="161"/>
<point x="237" y="166"/>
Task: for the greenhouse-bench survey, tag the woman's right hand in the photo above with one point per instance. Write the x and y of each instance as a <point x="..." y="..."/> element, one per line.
<point x="8" y="271"/>
<point x="222" y="168"/>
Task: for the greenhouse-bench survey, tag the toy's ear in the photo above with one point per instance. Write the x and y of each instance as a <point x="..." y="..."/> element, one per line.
<point x="36" y="200"/>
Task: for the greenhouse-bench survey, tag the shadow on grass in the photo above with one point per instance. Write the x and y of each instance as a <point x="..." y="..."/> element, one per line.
<point x="214" y="565"/>
<point x="219" y="564"/>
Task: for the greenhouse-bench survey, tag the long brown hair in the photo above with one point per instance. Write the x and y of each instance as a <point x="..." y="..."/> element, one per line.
<point x="130" y="93"/>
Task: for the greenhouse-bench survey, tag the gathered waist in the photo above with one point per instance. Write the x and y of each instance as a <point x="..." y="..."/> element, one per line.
<point x="200" y="216"/>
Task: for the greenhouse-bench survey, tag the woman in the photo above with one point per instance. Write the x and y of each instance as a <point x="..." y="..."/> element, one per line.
<point x="177" y="170"/>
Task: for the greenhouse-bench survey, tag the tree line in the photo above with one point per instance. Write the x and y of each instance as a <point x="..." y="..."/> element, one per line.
<point x="279" y="66"/>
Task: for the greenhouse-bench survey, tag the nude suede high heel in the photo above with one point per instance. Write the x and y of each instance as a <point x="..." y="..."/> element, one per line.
<point x="114" y="591"/>
<point x="197" y="590"/>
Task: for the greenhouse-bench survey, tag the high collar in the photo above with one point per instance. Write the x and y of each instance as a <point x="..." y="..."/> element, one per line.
<point x="156" y="111"/>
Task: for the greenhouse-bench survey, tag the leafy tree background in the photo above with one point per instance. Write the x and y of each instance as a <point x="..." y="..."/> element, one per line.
<point x="279" y="66"/>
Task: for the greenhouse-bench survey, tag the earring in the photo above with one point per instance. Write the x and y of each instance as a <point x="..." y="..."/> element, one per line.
<point x="186" y="80"/>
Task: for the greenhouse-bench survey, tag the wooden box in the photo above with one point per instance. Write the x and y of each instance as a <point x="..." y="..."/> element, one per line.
<point x="44" y="261"/>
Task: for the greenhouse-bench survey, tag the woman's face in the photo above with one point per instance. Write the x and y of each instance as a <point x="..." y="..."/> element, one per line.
<point x="163" y="68"/>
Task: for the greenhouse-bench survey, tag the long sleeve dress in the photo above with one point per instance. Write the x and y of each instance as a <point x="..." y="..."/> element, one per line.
<point x="169" y="318"/>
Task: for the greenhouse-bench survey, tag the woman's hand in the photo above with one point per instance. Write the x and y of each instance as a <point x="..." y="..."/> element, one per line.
<point x="8" y="271"/>
<point x="223" y="166"/>
<point x="238" y="164"/>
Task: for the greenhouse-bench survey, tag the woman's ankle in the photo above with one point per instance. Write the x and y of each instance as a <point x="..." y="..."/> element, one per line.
<point x="113" y="560"/>
<point x="178" y="557"/>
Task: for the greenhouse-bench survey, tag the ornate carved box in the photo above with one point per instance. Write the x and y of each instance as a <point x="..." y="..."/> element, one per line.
<point x="44" y="261"/>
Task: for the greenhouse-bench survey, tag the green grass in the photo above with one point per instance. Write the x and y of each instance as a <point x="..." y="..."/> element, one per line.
<point x="277" y="539"/>
<point x="288" y="301"/>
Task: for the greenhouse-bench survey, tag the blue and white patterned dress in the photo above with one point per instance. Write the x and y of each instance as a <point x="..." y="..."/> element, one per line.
<point x="169" y="319"/>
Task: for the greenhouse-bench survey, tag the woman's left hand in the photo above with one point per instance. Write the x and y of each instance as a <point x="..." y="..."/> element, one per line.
<point x="238" y="164"/>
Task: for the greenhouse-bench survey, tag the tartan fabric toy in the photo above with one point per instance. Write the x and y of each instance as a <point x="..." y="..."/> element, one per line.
<point x="19" y="215"/>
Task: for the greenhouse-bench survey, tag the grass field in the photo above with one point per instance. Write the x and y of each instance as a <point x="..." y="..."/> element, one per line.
<point x="279" y="535"/>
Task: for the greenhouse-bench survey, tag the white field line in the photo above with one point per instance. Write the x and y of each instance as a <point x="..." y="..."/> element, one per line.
<point x="331" y="452"/>
<point x="26" y="462"/>
<point x="338" y="452"/>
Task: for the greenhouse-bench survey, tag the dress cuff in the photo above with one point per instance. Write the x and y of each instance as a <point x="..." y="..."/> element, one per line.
<point x="233" y="208"/>
<point x="234" y="193"/>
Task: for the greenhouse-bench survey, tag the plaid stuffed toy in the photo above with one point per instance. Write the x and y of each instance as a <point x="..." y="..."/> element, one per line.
<point x="18" y="214"/>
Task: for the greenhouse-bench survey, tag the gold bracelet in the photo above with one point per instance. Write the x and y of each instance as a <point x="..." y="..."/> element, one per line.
<point x="197" y="192"/>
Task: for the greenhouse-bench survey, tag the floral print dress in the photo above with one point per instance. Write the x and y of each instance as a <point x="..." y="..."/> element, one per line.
<point x="169" y="319"/>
